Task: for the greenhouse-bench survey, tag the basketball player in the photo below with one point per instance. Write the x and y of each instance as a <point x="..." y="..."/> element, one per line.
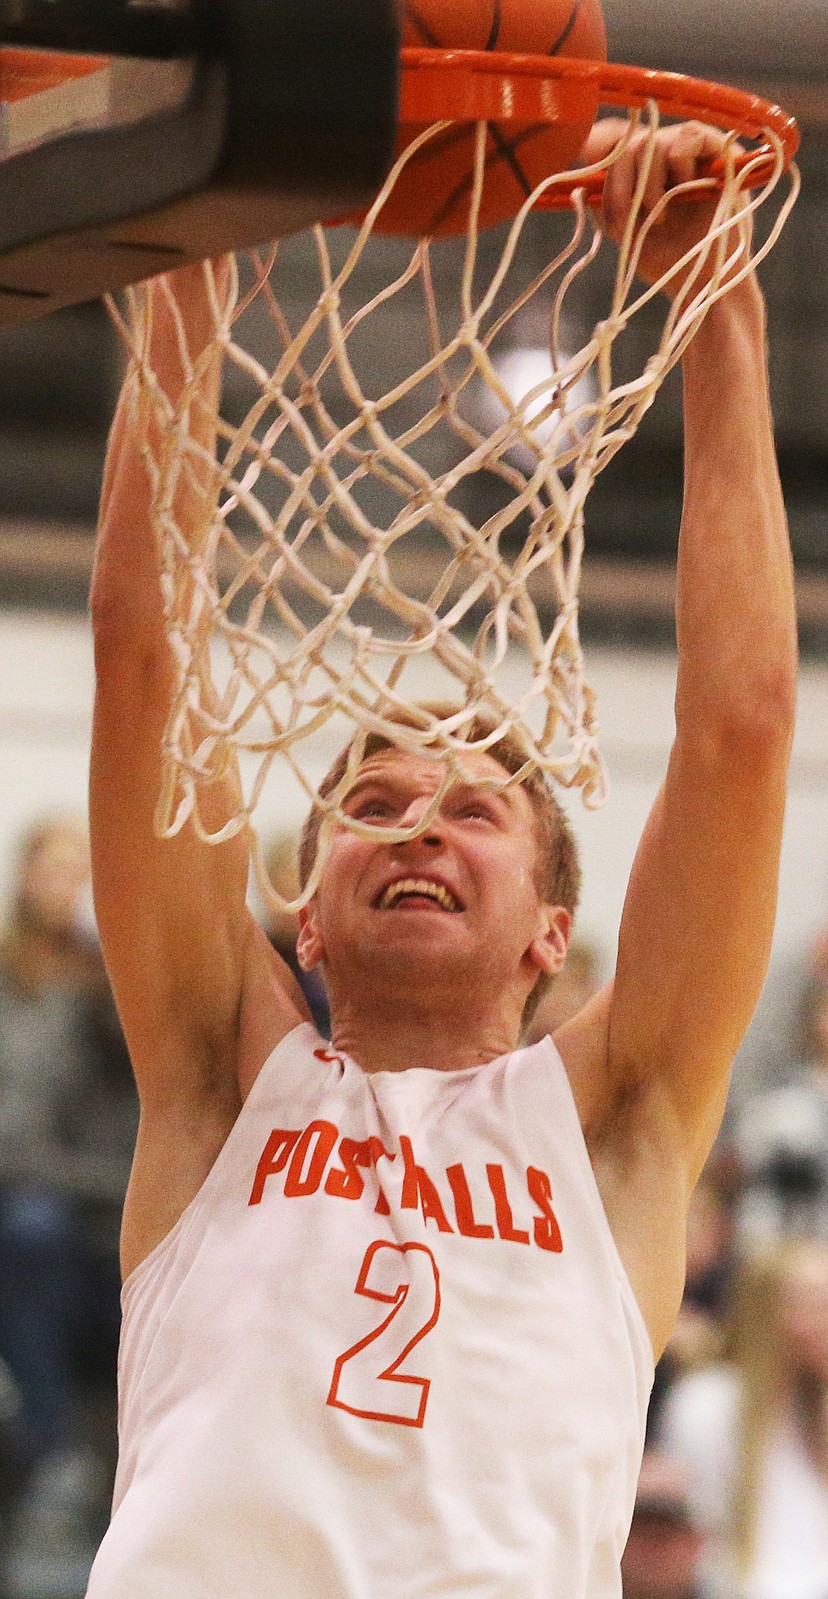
<point x="391" y="1304"/>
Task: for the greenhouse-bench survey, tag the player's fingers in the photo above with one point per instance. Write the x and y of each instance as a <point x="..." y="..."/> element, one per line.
<point x="605" y="136"/>
<point x="619" y="188"/>
<point x="683" y="161"/>
<point x="678" y="155"/>
<point x="690" y="148"/>
<point x="657" y="178"/>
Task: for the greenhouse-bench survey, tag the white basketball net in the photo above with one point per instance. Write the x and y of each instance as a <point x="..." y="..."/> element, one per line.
<point x="308" y="558"/>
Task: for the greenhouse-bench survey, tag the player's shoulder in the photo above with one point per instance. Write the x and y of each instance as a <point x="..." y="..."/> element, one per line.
<point x="272" y="1006"/>
<point x="583" y="1045"/>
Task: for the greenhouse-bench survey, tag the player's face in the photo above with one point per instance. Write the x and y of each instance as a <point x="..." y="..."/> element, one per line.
<point x="459" y="901"/>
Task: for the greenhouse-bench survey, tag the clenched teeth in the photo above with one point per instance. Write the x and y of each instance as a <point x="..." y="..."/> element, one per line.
<point x="422" y="888"/>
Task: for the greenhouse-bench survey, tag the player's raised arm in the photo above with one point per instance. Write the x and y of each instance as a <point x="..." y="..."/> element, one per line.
<point x="699" y="914"/>
<point x="179" y="942"/>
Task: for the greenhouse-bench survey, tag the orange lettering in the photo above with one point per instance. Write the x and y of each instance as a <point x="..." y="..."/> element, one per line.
<point x="330" y="1060"/>
<point x="382" y="1207"/>
<point x="503" y="1210"/>
<point x="418" y="1190"/>
<point x="432" y="1204"/>
<point x="410" y="1188"/>
<point x="274" y="1158"/>
<point x="326" y="1136"/>
<point x="463" y="1205"/>
<point x="348" y="1184"/>
<point x="547" y="1231"/>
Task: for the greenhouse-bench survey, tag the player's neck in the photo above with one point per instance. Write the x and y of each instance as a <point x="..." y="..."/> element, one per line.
<point x="415" y="1035"/>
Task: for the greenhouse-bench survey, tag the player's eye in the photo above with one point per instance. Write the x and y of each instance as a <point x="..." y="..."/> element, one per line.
<point x="372" y="810"/>
<point x="475" y="810"/>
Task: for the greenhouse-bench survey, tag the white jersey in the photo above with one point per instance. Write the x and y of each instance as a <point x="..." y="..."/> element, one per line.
<point x="388" y="1352"/>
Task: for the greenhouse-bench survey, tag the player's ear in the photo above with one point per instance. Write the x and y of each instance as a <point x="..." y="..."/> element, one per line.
<point x="548" y="948"/>
<point x="310" y="950"/>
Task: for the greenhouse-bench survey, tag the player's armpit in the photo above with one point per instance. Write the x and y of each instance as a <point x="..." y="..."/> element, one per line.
<point x="697" y="928"/>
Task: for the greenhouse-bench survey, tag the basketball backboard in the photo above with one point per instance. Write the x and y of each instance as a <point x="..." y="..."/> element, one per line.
<point x="135" y="137"/>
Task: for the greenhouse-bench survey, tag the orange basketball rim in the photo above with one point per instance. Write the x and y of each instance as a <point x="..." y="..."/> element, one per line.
<point x="537" y="105"/>
<point x="504" y="87"/>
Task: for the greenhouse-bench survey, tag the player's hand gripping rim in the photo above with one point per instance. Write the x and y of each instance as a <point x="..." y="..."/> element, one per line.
<point x="672" y="222"/>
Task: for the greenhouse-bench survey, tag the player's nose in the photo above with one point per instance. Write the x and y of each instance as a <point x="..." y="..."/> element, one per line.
<point x="413" y="816"/>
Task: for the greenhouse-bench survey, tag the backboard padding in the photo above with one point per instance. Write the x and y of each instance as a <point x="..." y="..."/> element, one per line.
<point x="291" y="122"/>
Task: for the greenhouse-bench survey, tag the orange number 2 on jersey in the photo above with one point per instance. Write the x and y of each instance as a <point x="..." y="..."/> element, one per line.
<point x="367" y="1380"/>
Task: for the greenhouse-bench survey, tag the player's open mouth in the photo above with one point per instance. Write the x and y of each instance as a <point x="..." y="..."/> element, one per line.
<point x="412" y="891"/>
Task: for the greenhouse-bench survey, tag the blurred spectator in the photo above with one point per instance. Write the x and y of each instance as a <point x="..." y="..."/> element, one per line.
<point x="662" y="1554"/>
<point x="819" y="957"/>
<point x="697" y="1336"/>
<point x="570" y="991"/>
<point x="12" y="1451"/>
<point x="42" y="967"/>
<point x="782" y="1138"/>
<point x="67" y="1124"/>
<point x="48" y="941"/>
<point x="282" y="928"/>
<point x="769" y="1052"/>
<point x="752" y="1434"/>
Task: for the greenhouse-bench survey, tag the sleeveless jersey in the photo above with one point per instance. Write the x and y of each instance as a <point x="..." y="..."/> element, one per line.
<point x="388" y="1352"/>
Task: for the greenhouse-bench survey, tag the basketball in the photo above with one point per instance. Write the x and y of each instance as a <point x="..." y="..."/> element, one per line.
<point x="432" y="197"/>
